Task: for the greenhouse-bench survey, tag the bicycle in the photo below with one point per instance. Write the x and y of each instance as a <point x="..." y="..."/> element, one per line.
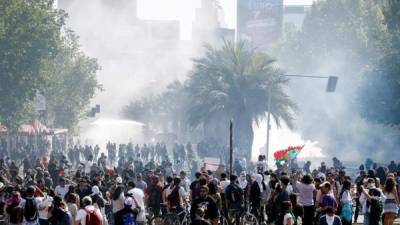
<point x="172" y="217"/>
<point x="245" y="217"/>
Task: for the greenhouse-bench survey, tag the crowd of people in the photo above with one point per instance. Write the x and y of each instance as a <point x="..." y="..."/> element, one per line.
<point x="139" y="185"/>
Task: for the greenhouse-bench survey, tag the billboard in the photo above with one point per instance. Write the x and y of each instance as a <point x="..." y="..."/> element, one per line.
<point x="260" y="21"/>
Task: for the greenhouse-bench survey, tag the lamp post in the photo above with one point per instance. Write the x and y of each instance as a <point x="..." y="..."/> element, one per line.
<point x="331" y="87"/>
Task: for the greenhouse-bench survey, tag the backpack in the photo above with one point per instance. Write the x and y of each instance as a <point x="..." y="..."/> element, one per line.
<point x="173" y="198"/>
<point x="30" y="210"/>
<point x="129" y="215"/>
<point x="14" y="213"/>
<point x="376" y="207"/>
<point x="92" y="218"/>
<point x="233" y="193"/>
<point x="155" y="197"/>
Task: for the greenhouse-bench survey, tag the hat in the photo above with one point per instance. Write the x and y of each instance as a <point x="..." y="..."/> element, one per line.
<point x="325" y="184"/>
<point x="128" y="201"/>
<point x="95" y="190"/>
<point x="119" y="180"/>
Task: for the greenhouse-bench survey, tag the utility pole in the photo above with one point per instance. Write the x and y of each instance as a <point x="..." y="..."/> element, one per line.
<point x="230" y="146"/>
<point x="268" y="121"/>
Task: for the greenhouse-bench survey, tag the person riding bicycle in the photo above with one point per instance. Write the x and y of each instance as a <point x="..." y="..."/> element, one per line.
<point x="176" y="197"/>
<point x="208" y="204"/>
<point x="233" y="199"/>
<point x="154" y="196"/>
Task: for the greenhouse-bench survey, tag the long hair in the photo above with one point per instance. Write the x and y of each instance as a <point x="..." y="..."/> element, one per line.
<point x="389" y="184"/>
<point x="117" y="192"/>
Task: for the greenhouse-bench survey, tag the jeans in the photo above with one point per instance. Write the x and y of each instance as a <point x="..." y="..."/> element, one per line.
<point x="309" y="213"/>
<point x="43" y="222"/>
<point x="366" y="219"/>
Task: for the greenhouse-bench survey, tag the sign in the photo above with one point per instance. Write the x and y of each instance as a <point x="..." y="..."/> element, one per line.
<point x="260" y="21"/>
<point x="39" y="102"/>
<point x="212" y="164"/>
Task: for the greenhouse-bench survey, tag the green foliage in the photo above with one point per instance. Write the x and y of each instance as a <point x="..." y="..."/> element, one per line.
<point x="29" y="36"/>
<point x="38" y="54"/>
<point x="380" y="93"/>
<point x="231" y="82"/>
<point x="73" y="83"/>
<point x="342" y="30"/>
<point x="234" y="80"/>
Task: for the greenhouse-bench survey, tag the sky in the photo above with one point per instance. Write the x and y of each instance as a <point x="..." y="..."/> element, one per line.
<point x="184" y="11"/>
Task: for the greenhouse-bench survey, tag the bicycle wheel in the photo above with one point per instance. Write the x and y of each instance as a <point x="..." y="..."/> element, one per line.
<point x="223" y="221"/>
<point x="249" y="219"/>
<point x="186" y="221"/>
<point x="155" y="220"/>
<point x="171" y="220"/>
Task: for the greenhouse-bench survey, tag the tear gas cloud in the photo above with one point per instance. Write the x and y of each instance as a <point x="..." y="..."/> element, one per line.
<point x="135" y="64"/>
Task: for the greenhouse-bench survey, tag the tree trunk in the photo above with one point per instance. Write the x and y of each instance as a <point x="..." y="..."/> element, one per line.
<point x="243" y="134"/>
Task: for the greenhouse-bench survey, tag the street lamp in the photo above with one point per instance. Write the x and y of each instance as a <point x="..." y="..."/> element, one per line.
<point x="331" y="87"/>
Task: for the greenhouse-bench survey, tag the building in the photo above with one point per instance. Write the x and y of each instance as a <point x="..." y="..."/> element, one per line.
<point x="206" y="26"/>
<point x="295" y="12"/>
<point x="260" y="21"/>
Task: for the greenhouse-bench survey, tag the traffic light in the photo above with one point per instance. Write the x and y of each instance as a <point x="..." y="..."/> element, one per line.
<point x="93" y="112"/>
<point x="332" y="82"/>
<point x="97" y="108"/>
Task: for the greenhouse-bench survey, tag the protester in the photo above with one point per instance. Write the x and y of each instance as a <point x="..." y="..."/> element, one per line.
<point x="122" y="196"/>
<point x="392" y="202"/>
<point x="60" y="215"/>
<point x="372" y="199"/>
<point x="330" y="218"/>
<point x="88" y="214"/>
<point x="306" y="190"/>
<point x="137" y="196"/>
<point x="346" y="203"/>
<point x="207" y="204"/>
<point x="233" y="199"/>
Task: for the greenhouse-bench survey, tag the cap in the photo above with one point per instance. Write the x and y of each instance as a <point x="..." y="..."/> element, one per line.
<point x="1" y="185"/>
<point x="95" y="190"/>
<point x="325" y="184"/>
<point x="129" y="201"/>
<point x="119" y="180"/>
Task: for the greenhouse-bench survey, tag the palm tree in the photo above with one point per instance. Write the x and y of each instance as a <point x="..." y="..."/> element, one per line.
<point x="232" y="82"/>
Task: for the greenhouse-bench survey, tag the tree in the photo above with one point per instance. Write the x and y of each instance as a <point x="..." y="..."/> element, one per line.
<point x="73" y="83"/>
<point x="29" y="36"/>
<point x="39" y="54"/>
<point x="232" y="82"/>
<point x="380" y="92"/>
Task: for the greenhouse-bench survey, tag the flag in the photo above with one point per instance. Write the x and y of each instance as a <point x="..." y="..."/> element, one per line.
<point x="287" y="154"/>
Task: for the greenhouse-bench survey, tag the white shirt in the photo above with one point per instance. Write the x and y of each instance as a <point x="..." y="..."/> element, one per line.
<point x="306" y="193"/>
<point x="45" y="202"/>
<point x="330" y="219"/>
<point x="185" y="183"/>
<point x="61" y="191"/>
<point x="346" y="197"/>
<point x="22" y="205"/>
<point x="364" y="200"/>
<point x="224" y="184"/>
<point x="81" y="215"/>
<point x="138" y="194"/>
<point x="287" y="217"/>
<point x="88" y="167"/>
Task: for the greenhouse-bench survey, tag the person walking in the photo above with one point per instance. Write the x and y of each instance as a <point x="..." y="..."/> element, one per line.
<point x="390" y="208"/>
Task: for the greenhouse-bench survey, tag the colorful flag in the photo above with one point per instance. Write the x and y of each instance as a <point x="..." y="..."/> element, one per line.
<point x="287" y="154"/>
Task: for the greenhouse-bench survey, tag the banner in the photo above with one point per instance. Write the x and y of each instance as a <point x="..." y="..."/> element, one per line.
<point x="260" y="21"/>
<point x="212" y="164"/>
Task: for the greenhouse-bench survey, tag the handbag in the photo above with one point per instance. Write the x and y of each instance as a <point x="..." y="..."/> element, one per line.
<point x="347" y="213"/>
